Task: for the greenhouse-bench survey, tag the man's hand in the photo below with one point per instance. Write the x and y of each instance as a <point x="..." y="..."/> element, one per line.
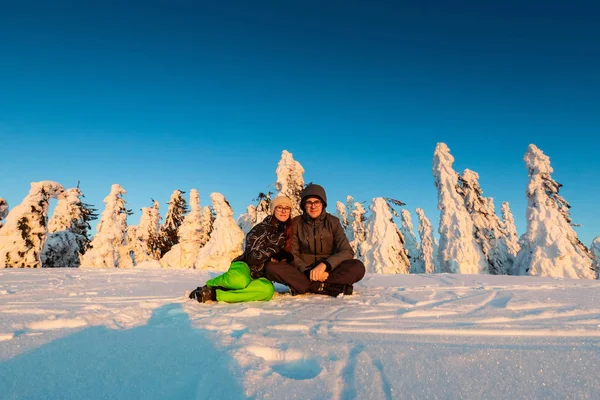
<point x="318" y="273"/>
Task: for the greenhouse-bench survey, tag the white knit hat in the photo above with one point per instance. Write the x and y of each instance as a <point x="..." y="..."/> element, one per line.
<point x="280" y="201"/>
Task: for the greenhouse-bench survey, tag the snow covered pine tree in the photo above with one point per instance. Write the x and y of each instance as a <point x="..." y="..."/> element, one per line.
<point x="225" y="241"/>
<point x="383" y="249"/>
<point x="290" y="181"/>
<point x="410" y="243"/>
<point x="24" y="234"/>
<point x="3" y="210"/>
<point x="175" y="213"/>
<point x="459" y="252"/>
<point x="489" y="230"/>
<point x="105" y="249"/>
<point x="68" y="237"/>
<point x="550" y="247"/>
<point x="429" y="246"/>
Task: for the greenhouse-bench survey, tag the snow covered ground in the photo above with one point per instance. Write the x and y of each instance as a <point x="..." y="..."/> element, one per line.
<point x="125" y="334"/>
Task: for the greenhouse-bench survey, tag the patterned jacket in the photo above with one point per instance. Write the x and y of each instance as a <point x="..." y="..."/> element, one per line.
<point x="263" y="241"/>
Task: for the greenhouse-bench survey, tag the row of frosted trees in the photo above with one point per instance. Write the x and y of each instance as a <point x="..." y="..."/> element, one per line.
<point x="472" y="237"/>
<point x="29" y="240"/>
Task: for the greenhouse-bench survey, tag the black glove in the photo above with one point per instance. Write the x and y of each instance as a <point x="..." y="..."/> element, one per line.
<point x="284" y="256"/>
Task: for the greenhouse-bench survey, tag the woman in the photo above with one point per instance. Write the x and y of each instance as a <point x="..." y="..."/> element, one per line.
<point x="270" y="240"/>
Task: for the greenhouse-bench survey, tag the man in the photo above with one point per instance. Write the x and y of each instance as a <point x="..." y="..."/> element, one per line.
<point x="323" y="259"/>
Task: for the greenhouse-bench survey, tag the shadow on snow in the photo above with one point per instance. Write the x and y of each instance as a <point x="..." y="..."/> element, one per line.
<point x="165" y="359"/>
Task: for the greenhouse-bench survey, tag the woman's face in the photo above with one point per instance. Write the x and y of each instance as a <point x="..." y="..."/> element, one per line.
<point x="282" y="213"/>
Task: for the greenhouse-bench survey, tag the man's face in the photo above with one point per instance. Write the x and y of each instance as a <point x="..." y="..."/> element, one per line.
<point x="313" y="207"/>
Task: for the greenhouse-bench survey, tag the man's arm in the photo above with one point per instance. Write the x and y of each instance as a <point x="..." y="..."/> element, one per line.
<point x="298" y="262"/>
<point x="343" y="249"/>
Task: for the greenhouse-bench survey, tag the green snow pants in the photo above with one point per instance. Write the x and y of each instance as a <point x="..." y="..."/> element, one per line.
<point x="236" y="285"/>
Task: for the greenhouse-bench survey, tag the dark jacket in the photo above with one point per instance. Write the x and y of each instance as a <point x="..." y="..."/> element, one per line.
<point x="319" y="240"/>
<point x="264" y="241"/>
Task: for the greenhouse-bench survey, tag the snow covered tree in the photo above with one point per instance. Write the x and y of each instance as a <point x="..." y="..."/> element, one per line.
<point x="595" y="250"/>
<point x="109" y="248"/>
<point x="126" y="253"/>
<point x="263" y="208"/>
<point x="358" y="228"/>
<point x="207" y="221"/>
<point x="23" y="236"/>
<point x="511" y="239"/>
<point x="459" y="252"/>
<point x="248" y="220"/>
<point x="550" y="247"/>
<point x="68" y="237"/>
<point x="383" y="249"/>
<point x="340" y="212"/>
<point x="410" y="244"/>
<point x="349" y="210"/>
<point x="290" y="181"/>
<point x="191" y="237"/>
<point x="226" y="238"/>
<point x="489" y="229"/>
<point x="429" y="246"/>
<point x="144" y="242"/>
<point x="128" y="248"/>
<point x="3" y="210"/>
<point x="168" y="231"/>
<point x="61" y="250"/>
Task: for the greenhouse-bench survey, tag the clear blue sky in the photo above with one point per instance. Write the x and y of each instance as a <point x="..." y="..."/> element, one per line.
<point x="158" y="96"/>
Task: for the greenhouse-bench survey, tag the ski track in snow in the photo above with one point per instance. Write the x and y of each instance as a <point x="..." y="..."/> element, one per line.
<point x="343" y="348"/>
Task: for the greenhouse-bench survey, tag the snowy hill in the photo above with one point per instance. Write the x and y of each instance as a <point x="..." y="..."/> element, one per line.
<point x="123" y="334"/>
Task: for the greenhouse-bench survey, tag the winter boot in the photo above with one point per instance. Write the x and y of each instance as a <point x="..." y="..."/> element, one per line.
<point x="204" y="294"/>
<point x="329" y="289"/>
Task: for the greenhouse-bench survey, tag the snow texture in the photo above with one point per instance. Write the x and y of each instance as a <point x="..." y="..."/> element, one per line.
<point x="550" y="247"/>
<point x="489" y="229"/>
<point x="290" y="181"/>
<point x="459" y="252"/>
<point x="429" y="246"/>
<point x="130" y="334"/>
<point x="410" y="243"/>
<point x="226" y="238"/>
<point x="22" y="237"/>
<point x="383" y="250"/>
<point x="109" y="248"/>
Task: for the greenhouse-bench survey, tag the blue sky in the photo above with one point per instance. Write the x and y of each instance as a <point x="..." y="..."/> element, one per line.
<point x="158" y="96"/>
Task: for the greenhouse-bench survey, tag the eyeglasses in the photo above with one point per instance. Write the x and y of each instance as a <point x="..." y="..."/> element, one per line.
<point x="283" y="209"/>
<point x="316" y="203"/>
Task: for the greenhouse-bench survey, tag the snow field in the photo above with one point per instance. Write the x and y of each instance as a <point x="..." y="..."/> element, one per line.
<point x="130" y="333"/>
